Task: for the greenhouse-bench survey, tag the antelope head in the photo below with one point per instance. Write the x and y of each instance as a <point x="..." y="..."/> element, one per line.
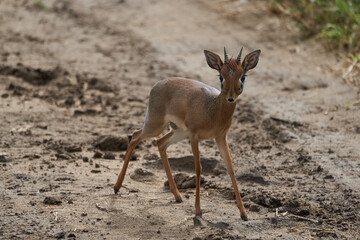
<point x="232" y="72"/>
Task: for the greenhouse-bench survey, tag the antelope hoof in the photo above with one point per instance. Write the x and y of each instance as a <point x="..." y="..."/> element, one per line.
<point x="116" y="190"/>
<point x="197" y="221"/>
<point x="179" y="200"/>
<point x="244" y="217"/>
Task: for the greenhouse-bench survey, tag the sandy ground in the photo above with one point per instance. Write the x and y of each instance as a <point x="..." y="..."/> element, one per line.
<point x="75" y="71"/>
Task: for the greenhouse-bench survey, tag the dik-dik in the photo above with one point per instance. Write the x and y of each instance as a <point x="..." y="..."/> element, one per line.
<point x="198" y="111"/>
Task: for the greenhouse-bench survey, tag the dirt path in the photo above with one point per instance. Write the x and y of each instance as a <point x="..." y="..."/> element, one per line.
<point x="78" y="70"/>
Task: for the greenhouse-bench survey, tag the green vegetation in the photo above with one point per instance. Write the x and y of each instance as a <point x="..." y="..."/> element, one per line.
<point x="39" y="4"/>
<point x="337" y="21"/>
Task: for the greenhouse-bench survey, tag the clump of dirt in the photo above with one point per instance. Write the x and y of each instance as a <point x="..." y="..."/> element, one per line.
<point x="268" y="201"/>
<point x="52" y="201"/>
<point x="142" y="175"/>
<point x="112" y="143"/>
<point x="109" y="155"/>
<point x="35" y="76"/>
<point x="250" y="175"/>
<point x="275" y="131"/>
<point x="184" y="181"/>
<point x="186" y="164"/>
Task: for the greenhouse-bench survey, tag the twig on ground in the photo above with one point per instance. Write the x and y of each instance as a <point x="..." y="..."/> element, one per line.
<point x="304" y="218"/>
<point x="298" y="227"/>
<point x="349" y="69"/>
<point x="100" y="208"/>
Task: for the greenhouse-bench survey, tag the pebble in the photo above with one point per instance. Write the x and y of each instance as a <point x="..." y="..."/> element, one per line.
<point x="52" y="201"/>
<point x="109" y="155"/>
<point x="98" y="154"/>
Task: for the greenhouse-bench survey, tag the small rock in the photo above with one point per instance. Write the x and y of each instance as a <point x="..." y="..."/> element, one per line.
<point x="52" y="201"/>
<point x="95" y="171"/>
<point x="89" y="111"/>
<point x="329" y="177"/>
<point x="69" y="101"/>
<point x="85" y="159"/>
<point x="151" y="156"/>
<point x="32" y="156"/>
<point x="319" y="169"/>
<point x="59" y="235"/>
<point x="97" y="165"/>
<point x="112" y="143"/>
<point x="5" y="95"/>
<point x="357" y="129"/>
<point x="3" y="158"/>
<point x="133" y="190"/>
<point x="267" y="201"/>
<point x="142" y="175"/>
<point x="64" y="177"/>
<point x="98" y="154"/>
<point x="109" y="155"/>
<point x="303" y="156"/>
<point x="303" y="212"/>
<point x="42" y="126"/>
<point x="184" y="181"/>
<point x="83" y="214"/>
<point x="254" y="208"/>
<point x="25" y="131"/>
<point x="73" y="149"/>
<point x="330" y="151"/>
<point x="62" y="156"/>
<point x="134" y="157"/>
<point x="71" y="235"/>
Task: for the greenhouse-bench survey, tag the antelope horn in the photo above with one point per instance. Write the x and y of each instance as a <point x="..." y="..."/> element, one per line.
<point x="226" y="60"/>
<point x="238" y="59"/>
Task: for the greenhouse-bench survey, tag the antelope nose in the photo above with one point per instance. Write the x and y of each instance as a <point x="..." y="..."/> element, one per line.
<point x="230" y="100"/>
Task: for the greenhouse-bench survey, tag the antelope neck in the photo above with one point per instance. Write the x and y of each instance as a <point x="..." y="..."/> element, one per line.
<point x="224" y="109"/>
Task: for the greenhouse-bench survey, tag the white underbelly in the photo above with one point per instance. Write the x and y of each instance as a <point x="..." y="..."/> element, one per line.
<point x="177" y="121"/>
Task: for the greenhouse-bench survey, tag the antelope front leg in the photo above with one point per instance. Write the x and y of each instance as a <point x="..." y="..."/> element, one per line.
<point x="225" y="154"/>
<point x="195" y="150"/>
<point x="136" y="138"/>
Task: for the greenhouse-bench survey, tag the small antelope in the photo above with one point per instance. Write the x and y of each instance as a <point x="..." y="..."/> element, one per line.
<point x="198" y="111"/>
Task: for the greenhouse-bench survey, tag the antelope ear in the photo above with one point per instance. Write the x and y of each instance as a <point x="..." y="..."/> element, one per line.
<point x="213" y="60"/>
<point x="251" y="60"/>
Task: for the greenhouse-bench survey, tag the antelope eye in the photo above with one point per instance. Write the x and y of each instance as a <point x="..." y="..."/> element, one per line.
<point x="221" y="77"/>
<point x="243" y="78"/>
